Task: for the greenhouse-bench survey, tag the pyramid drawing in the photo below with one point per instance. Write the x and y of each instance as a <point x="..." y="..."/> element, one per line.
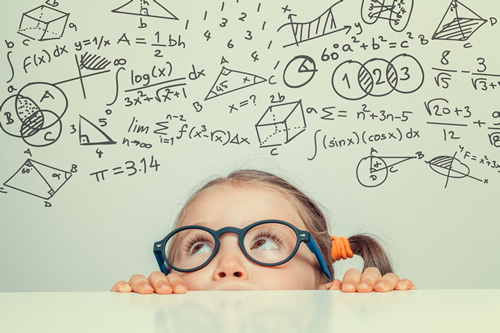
<point x="90" y="134"/>
<point x="150" y="8"/>
<point x="230" y="80"/>
<point x="38" y="179"/>
<point x="458" y="23"/>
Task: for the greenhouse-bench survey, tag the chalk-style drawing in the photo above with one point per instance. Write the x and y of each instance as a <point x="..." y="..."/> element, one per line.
<point x="38" y="179"/>
<point x="321" y="26"/>
<point x="149" y="8"/>
<point x="377" y="77"/>
<point x="450" y="167"/>
<point x="43" y="23"/>
<point x="299" y="71"/>
<point x="34" y="114"/>
<point x="372" y="171"/>
<point x="90" y="134"/>
<point x="398" y="14"/>
<point x="280" y="124"/>
<point x="230" y="80"/>
<point x="93" y="62"/>
<point x="458" y="23"/>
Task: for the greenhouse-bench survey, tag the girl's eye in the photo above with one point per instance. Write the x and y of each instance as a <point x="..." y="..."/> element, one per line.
<point x="200" y="247"/>
<point x="265" y="243"/>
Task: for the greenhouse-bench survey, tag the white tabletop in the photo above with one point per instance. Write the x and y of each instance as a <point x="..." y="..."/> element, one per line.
<point x="253" y="311"/>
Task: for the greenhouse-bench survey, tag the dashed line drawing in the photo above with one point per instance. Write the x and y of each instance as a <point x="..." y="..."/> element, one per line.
<point x="90" y="134"/>
<point x="230" y="80"/>
<point x="146" y="8"/>
<point x="399" y="12"/>
<point x="280" y="124"/>
<point x="43" y="23"/>
<point x="458" y="23"/>
<point x="38" y="179"/>
<point x="34" y="114"/>
<point x="372" y="171"/>
<point x="321" y="26"/>
<point x="450" y="167"/>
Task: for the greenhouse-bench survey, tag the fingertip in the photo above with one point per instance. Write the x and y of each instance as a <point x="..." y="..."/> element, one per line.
<point x="348" y="288"/>
<point x="164" y="289"/>
<point x="365" y="288"/>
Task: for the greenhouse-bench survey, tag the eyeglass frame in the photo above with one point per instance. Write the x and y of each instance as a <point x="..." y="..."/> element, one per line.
<point x="302" y="236"/>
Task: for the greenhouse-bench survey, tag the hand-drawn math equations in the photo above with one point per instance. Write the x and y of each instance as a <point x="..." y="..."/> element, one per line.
<point x="385" y="111"/>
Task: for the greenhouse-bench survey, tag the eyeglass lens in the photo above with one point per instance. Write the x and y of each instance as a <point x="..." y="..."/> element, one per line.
<point x="268" y="243"/>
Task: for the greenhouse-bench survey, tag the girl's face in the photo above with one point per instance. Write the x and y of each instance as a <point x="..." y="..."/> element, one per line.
<point x="238" y="206"/>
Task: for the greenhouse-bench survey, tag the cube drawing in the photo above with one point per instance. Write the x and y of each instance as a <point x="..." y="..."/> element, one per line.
<point x="43" y="23"/>
<point x="280" y="124"/>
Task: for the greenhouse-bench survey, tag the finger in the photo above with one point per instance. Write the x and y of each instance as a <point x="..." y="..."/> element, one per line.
<point x="121" y="287"/>
<point x="370" y="277"/>
<point x="177" y="283"/>
<point x="405" y="284"/>
<point x="336" y="285"/>
<point x="160" y="283"/>
<point x="387" y="283"/>
<point x="140" y="284"/>
<point x="332" y="285"/>
<point x="351" y="280"/>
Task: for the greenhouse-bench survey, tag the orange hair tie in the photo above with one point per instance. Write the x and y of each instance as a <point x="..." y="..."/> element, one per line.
<point x="340" y="248"/>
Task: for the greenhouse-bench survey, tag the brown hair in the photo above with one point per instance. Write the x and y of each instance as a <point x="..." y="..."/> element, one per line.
<point x="362" y="245"/>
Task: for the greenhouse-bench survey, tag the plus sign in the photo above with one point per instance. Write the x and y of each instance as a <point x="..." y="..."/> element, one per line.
<point x="479" y="123"/>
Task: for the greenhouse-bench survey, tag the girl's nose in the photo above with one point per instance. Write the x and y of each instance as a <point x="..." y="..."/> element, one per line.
<point x="230" y="260"/>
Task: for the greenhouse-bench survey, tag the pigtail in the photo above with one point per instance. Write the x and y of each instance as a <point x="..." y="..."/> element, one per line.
<point x="373" y="254"/>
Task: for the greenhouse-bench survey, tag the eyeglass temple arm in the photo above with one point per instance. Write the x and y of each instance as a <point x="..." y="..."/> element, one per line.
<point x="311" y="244"/>
<point x="157" y="252"/>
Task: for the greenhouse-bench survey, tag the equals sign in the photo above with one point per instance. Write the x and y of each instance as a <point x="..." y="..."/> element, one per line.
<point x="140" y="40"/>
<point x="244" y="103"/>
<point x="86" y="42"/>
<point x="342" y="114"/>
<point x="393" y="45"/>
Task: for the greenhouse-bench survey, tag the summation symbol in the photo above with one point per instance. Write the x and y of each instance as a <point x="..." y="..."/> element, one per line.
<point x="450" y="167"/>
<point x="399" y="12"/>
<point x="458" y="23"/>
<point x="38" y="179"/>
<point x="43" y="23"/>
<point x="34" y="114"/>
<point x="321" y="26"/>
<point x="372" y="171"/>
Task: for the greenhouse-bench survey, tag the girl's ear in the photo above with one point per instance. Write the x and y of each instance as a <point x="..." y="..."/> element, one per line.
<point x="334" y="285"/>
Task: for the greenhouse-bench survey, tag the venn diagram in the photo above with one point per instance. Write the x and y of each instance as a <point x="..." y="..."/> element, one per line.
<point x="34" y="114"/>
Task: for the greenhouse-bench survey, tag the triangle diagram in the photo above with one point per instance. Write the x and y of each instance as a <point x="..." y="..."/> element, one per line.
<point x="230" y="80"/>
<point x="458" y="23"/>
<point x="150" y="8"/>
<point x="90" y="134"/>
<point x="38" y="179"/>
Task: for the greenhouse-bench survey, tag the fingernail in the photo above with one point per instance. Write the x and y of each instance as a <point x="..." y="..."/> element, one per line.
<point x="382" y="285"/>
<point x="180" y="288"/>
<point x="349" y="286"/>
<point x="164" y="287"/>
<point x="146" y="286"/>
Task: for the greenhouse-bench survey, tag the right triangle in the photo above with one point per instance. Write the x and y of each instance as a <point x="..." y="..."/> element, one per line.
<point x="90" y="134"/>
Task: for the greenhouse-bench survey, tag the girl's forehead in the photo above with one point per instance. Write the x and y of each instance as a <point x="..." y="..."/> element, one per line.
<point x="240" y="204"/>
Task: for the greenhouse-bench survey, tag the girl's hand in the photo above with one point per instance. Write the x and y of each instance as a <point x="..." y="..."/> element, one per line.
<point x="370" y="280"/>
<point x="157" y="282"/>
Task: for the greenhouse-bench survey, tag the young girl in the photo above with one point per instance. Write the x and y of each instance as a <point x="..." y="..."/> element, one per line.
<point x="254" y="230"/>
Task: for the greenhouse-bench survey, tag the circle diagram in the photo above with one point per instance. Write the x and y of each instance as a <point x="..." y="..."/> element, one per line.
<point x="34" y="114"/>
